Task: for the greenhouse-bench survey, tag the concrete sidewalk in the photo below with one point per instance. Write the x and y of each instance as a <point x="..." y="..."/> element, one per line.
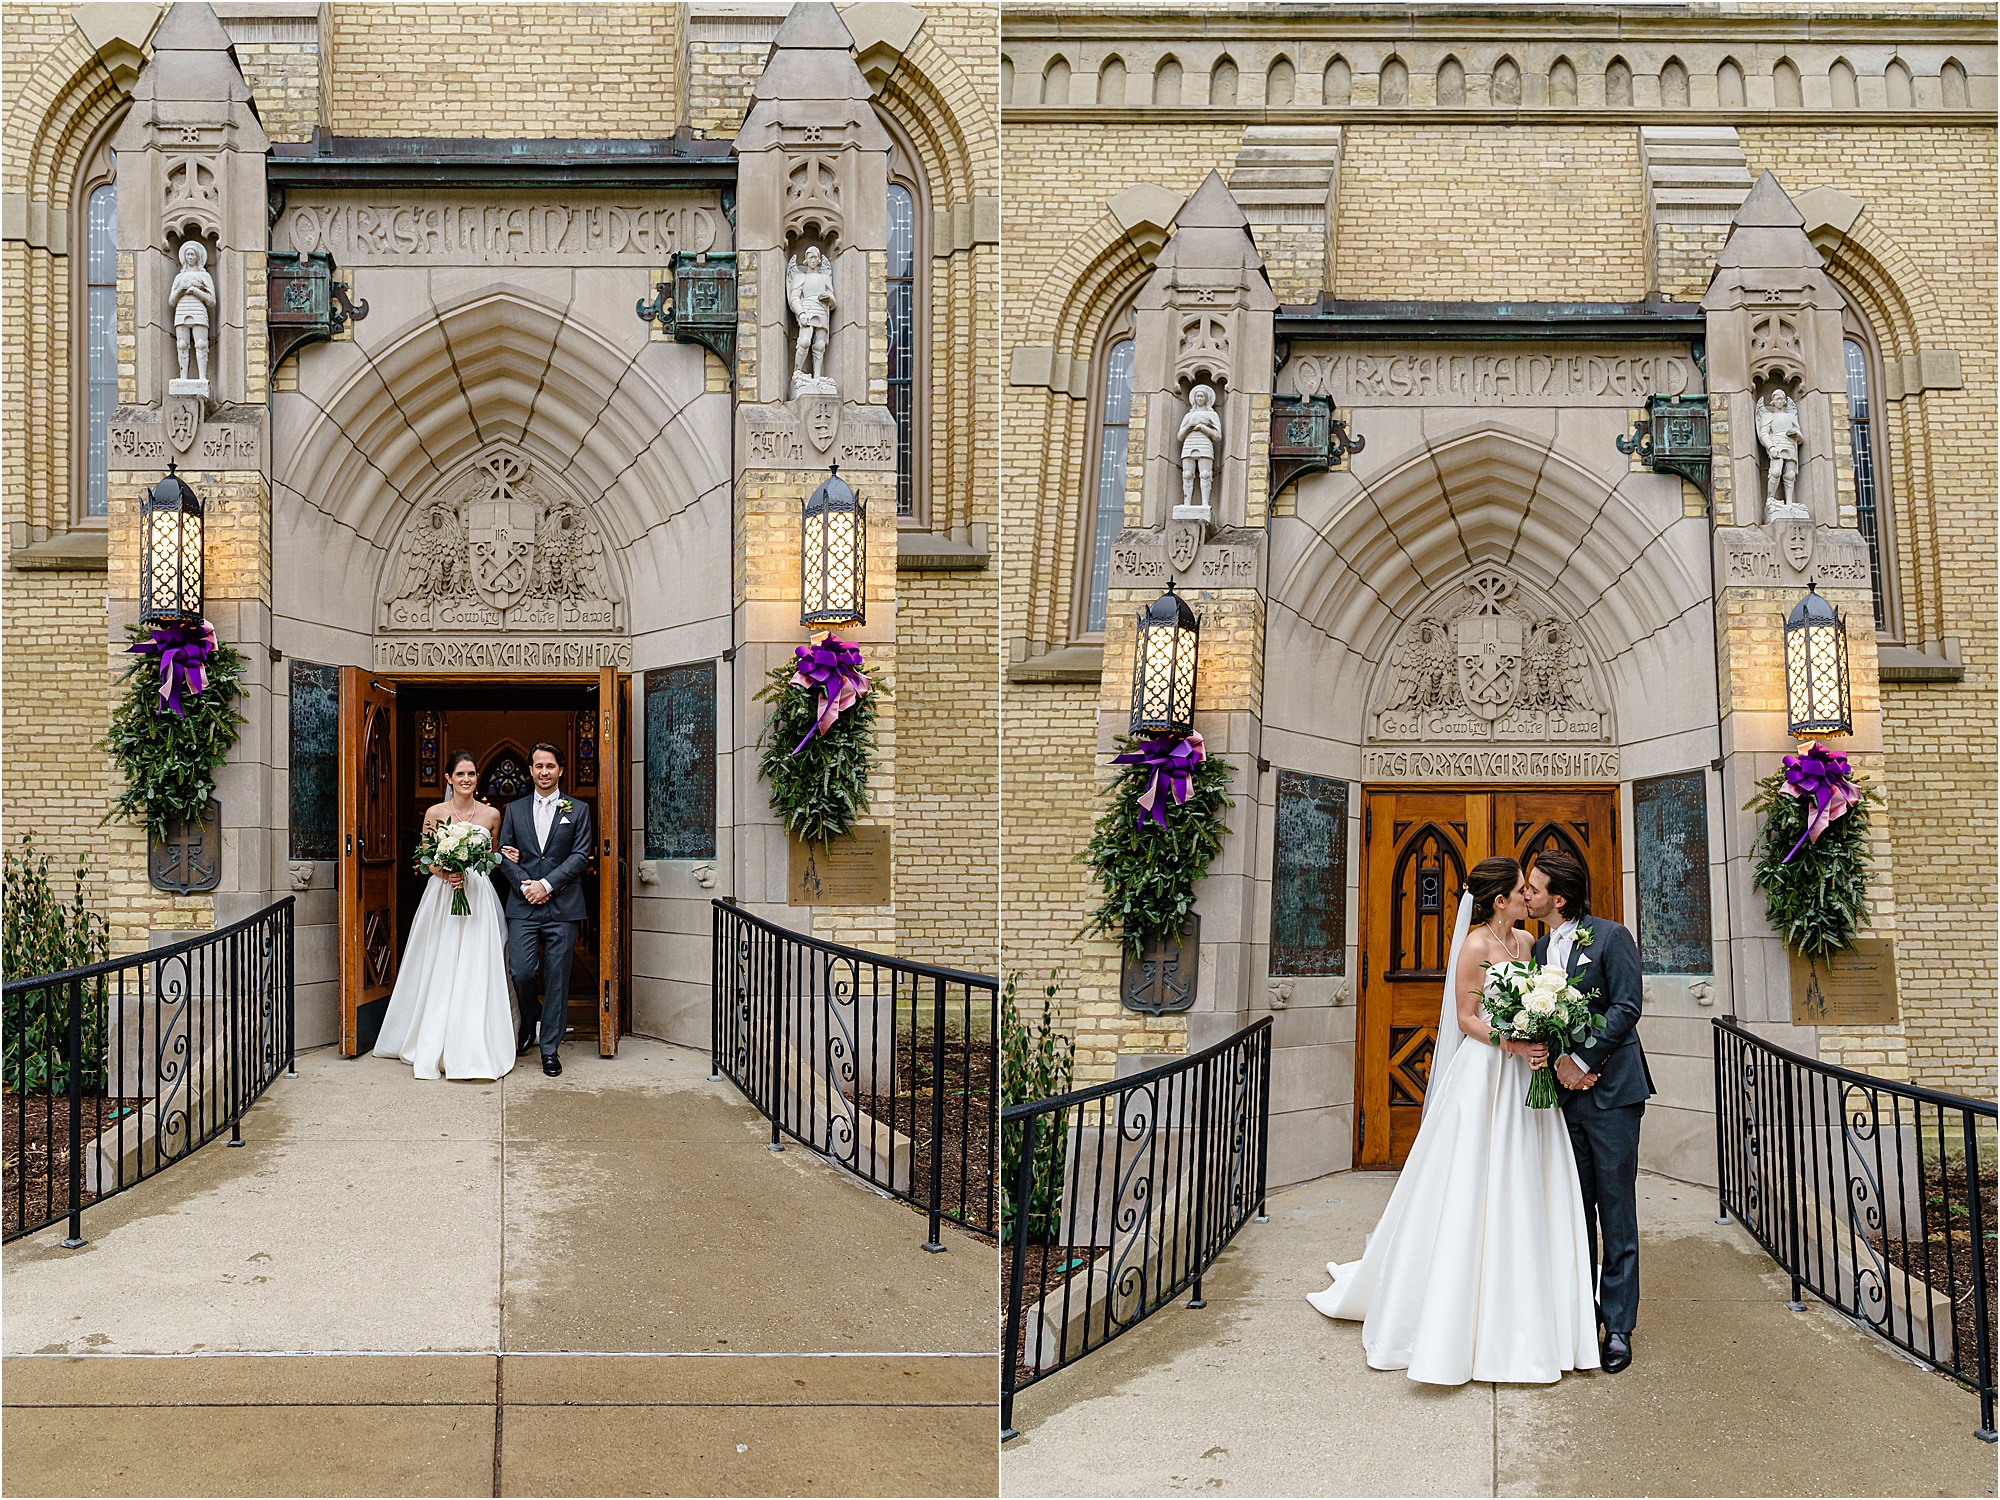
<point x="598" y="1284"/>
<point x="1729" y="1393"/>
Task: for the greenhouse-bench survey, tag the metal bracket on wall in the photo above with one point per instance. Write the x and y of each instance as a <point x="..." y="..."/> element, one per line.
<point x="699" y="305"/>
<point x="1307" y="438"/>
<point x="1673" y="438"/>
<point x="303" y="303"/>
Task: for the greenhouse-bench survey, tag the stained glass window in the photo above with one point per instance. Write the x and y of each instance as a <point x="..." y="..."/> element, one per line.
<point x="902" y="337"/>
<point x="1111" y="456"/>
<point x="101" y="341"/>
<point x="1861" y="432"/>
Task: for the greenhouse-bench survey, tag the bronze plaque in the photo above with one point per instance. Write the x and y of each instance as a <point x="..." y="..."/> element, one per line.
<point x="1161" y="978"/>
<point x="189" y="858"/>
<point x="853" y="871"/>
<point x="1856" y="987"/>
<point x="1309" y="876"/>
<point x="1670" y="853"/>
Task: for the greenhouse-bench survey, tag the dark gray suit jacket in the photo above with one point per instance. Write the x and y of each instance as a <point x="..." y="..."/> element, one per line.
<point x="561" y="864"/>
<point x="1606" y="973"/>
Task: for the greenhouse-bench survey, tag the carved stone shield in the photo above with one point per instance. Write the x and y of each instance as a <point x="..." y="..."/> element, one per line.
<point x="822" y="414"/>
<point x="1489" y="649"/>
<point x="183" y="421"/>
<point x="1796" y="541"/>
<point x="1183" y="543"/>
<point x="500" y="533"/>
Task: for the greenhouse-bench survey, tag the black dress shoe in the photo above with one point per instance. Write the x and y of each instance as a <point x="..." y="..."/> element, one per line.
<point x="1617" y="1352"/>
<point x="526" y="1042"/>
<point x="552" y="1065"/>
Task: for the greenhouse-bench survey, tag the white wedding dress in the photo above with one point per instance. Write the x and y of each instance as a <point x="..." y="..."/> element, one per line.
<point x="1479" y="1268"/>
<point x="450" y="1014"/>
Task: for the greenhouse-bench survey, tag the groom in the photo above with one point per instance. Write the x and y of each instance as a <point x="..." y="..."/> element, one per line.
<point x="1605" y="1083"/>
<point x="545" y="844"/>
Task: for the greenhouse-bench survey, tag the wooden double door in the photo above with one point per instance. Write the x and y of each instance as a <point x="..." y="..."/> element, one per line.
<point x="396" y="736"/>
<point x="1417" y="844"/>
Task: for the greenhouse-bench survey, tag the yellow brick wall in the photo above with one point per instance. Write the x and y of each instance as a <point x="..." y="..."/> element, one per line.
<point x="284" y="79"/>
<point x="1928" y="196"/>
<point x="1491" y="212"/>
<point x="504" y="70"/>
<point x="53" y="711"/>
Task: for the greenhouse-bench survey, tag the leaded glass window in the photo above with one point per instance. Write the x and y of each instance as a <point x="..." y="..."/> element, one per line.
<point x="902" y="338"/>
<point x="1861" y="434"/>
<point x="100" y="341"/>
<point x="1109" y="516"/>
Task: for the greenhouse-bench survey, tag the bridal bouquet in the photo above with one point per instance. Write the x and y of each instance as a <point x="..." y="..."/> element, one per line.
<point x="1531" y="1002"/>
<point x="462" y="848"/>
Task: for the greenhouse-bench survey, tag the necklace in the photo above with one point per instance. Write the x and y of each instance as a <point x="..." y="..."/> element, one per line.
<point x="1504" y="936"/>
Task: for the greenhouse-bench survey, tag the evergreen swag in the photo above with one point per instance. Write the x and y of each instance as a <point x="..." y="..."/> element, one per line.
<point x="1817" y="900"/>
<point x="1148" y="872"/>
<point x="169" y="762"/>
<point x="819" y="792"/>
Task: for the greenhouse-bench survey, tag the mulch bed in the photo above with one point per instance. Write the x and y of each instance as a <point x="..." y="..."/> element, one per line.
<point x="34" y="1135"/>
<point x="1950" y="1269"/>
<point x="970" y="1116"/>
<point x="1045" y="1270"/>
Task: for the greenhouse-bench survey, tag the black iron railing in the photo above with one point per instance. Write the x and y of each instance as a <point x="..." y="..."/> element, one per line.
<point x="1868" y="1193"/>
<point x="885" y="1067"/>
<point x="1120" y="1196"/>
<point x="116" y="1071"/>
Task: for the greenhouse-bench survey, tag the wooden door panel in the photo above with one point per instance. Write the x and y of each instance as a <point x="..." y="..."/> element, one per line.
<point x="369" y="856"/>
<point x="1417" y="845"/>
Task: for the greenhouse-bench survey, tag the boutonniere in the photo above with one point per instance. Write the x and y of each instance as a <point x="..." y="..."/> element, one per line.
<point x="1583" y="937"/>
<point x="562" y="804"/>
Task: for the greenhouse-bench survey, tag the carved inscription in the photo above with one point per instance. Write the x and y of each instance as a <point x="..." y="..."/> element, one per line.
<point x="500" y="653"/>
<point x="140" y="438"/>
<point x="854" y="437"/>
<point x="460" y="233"/>
<point x="1466" y="377"/>
<point x="1473" y="763"/>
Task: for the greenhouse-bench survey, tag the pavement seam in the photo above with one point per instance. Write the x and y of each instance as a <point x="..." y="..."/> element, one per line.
<point x="499" y="1414"/>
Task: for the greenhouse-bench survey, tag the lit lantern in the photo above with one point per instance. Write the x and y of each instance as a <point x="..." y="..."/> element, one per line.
<point x="170" y="555"/>
<point x="1816" y="694"/>
<point x="1163" y="668"/>
<point x="833" y="556"/>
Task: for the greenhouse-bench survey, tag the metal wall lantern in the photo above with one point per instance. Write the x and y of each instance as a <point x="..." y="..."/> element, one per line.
<point x="1307" y="438"/>
<point x="1816" y="687"/>
<point x="833" y="555"/>
<point x="1673" y="438"/>
<point x="170" y="553"/>
<point x="303" y="303"/>
<point x="1163" y="668"/>
<point x="699" y="305"/>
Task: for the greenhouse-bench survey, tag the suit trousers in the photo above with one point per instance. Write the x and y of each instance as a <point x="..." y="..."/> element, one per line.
<point x="538" y="959"/>
<point x="1606" y="1142"/>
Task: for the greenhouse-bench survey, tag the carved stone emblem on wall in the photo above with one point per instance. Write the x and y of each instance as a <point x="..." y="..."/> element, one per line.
<point x="497" y="549"/>
<point x="1485" y="665"/>
<point x="183" y="421"/>
<point x="1795" y="539"/>
<point x="822" y="420"/>
<point x="1184" y="539"/>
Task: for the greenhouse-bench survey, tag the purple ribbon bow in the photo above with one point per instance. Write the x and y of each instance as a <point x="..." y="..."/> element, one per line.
<point x="183" y="651"/>
<point x="1172" y="763"/>
<point x="834" y="667"/>
<point x="1821" y="775"/>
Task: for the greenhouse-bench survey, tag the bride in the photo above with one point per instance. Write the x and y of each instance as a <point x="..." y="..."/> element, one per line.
<point x="450" y="1012"/>
<point x="1480" y="1267"/>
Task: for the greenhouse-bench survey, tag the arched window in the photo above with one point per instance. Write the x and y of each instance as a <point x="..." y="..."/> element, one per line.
<point x="1873" y="511"/>
<point x="1104" y="502"/>
<point x="94" y="327"/>
<point x="908" y="324"/>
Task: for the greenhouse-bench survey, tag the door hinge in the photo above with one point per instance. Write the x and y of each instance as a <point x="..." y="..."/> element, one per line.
<point x="1368" y="822"/>
<point x="1361" y="1125"/>
<point x="1364" y="971"/>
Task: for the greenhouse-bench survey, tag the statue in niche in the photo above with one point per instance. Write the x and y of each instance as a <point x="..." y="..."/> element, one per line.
<point x="192" y="298"/>
<point x="1779" y="433"/>
<point x="809" y="292"/>
<point x="1200" y="436"/>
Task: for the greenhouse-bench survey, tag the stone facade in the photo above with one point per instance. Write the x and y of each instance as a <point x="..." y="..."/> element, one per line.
<point x="1563" y="162"/>
<point x="500" y="334"/>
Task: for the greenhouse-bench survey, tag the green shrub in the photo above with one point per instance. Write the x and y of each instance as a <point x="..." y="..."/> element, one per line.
<point x="1036" y="1062"/>
<point x="45" y="936"/>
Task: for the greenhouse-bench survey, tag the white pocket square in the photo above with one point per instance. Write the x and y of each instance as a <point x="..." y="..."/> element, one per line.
<point x="1583" y="958"/>
<point x="565" y="820"/>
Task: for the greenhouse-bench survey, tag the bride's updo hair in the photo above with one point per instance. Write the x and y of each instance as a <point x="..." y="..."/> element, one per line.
<point x="1491" y="882"/>
<point x="451" y="762"/>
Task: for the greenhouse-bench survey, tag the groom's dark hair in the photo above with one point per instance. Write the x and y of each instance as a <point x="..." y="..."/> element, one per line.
<point x="542" y="745"/>
<point x="1568" y="879"/>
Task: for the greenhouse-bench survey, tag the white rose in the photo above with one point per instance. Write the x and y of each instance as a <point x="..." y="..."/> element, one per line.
<point x="1541" y="1003"/>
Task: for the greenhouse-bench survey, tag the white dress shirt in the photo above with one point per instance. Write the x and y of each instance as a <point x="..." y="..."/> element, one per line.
<point x="545" y="820"/>
<point x="1562" y="942"/>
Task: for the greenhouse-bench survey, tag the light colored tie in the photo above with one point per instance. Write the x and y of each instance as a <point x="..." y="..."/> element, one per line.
<point x="545" y="818"/>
